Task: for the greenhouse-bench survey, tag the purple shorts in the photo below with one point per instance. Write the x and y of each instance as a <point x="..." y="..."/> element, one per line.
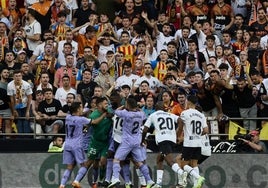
<point x="125" y="148"/>
<point x="76" y="155"/>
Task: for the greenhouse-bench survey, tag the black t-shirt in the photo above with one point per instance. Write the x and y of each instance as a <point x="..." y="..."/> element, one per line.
<point x="4" y="99"/>
<point x="244" y="98"/>
<point x="51" y="109"/>
<point x="86" y="91"/>
<point x="82" y="16"/>
<point x="205" y="98"/>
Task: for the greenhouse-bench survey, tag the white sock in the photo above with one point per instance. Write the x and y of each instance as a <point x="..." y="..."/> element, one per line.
<point x="159" y="176"/>
<point x="196" y="169"/>
<point x="176" y="168"/>
<point x="141" y="177"/>
<point x="191" y="171"/>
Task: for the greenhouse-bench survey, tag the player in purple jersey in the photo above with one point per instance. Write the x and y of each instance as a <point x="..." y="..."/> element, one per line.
<point x="131" y="140"/>
<point x="73" y="150"/>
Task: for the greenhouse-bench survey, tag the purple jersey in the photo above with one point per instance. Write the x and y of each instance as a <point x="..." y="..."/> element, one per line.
<point x="74" y="131"/>
<point x="132" y="122"/>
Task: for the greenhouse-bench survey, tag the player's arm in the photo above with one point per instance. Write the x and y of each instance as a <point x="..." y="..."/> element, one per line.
<point x="144" y="133"/>
<point x="98" y="120"/>
<point x="205" y="131"/>
<point x="180" y="130"/>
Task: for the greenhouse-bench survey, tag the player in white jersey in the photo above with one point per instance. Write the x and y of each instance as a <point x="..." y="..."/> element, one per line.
<point x="193" y="124"/>
<point x="165" y="137"/>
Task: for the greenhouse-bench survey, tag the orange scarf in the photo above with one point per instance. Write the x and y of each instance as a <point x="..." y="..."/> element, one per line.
<point x="265" y="62"/>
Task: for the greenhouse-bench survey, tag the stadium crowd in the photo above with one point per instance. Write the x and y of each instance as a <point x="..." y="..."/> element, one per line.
<point x="56" y="52"/>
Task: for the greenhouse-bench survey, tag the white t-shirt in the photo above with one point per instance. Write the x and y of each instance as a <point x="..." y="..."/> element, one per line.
<point x="31" y="30"/>
<point x="61" y="95"/>
<point x="126" y="80"/>
<point x="164" y="125"/>
<point x="20" y="92"/>
<point x="194" y="123"/>
<point x="71" y="5"/>
<point x="154" y="83"/>
<point x="162" y="41"/>
<point x="103" y="50"/>
<point x="61" y="57"/>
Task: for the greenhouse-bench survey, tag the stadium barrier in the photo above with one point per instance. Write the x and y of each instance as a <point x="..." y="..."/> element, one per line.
<point x="44" y="170"/>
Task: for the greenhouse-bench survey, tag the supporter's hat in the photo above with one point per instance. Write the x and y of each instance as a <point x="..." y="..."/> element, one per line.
<point x="21" y="51"/>
<point x="125" y="86"/>
<point x="254" y="133"/>
<point x="17" y="38"/>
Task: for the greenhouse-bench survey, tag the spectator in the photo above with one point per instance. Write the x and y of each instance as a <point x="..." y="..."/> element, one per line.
<point x="35" y="125"/>
<point x="4" y="78"/>
<point x="5" y="112"/>
<point x="85" y="89"/>
<point x="57" y="145"/>
<point x="68" y="70"/>
<point x="254" y="143"/>
<point x="32" y="30"/>
<point x="82" y="14"/>
<point x="20" y="93"/>
<point x="154" y="83"/>
<point x="60" y="26"/>
<point x="48" y="110"/>
<point x="41" y="10"/>
<point x="128" y="78"/>
<point x="61" y="92"/>
<point x="246" y="101"/>
<point x="222" y="17"/>
<point x="104" y="79"/>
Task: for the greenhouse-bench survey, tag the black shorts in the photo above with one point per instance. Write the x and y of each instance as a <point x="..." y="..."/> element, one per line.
<point x="166" y="147"/>
<point x="189" y="153"/>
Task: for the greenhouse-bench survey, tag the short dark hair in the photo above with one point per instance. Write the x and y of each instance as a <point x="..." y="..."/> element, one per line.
<point x="74" y="107"/>
<point x="193" y="99"/>
<point x="90" y="28"/>
<point x="101" y="99"/>
<point x="132" y="103"/>
<point x="127" y="63"/>
<point x="146" y="82"/>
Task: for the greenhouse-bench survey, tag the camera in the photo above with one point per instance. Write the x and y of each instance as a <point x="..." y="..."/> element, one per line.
<point x="243" y="136"/>
<point x="241" y="146"/>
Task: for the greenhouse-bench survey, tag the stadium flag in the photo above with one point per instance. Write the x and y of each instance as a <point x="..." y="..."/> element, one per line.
<point x="264" y="132"/>
<point x="235" y="129"/>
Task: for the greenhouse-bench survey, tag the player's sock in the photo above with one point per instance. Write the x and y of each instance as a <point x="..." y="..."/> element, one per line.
<point x="95" y="172"/>
<point x="102" y="172"/>
<point x="126" y="173"/>
<point x="191" y="171"/>
<point x="81" y="173"/>
<point x="145" y="171"/>
<point x="116" y="170"/>
<point x="66" y="176"/>
<point x="159" y="176"/>
<point x="109" y="170"/>
<point x="141" y="177"/>
<point x="196" y="169"/>
<point x="176" y="168"/>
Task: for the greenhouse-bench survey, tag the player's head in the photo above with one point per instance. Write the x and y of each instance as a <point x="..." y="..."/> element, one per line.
<point x="75" y="107"/>
<point x="192" y="100"/>
<point x="159" y="105"/>
<point x="131" y="104"/>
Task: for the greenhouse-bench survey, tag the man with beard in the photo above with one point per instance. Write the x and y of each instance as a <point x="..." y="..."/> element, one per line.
<point x="85" y="88"/>
<point x="32" y="30"/>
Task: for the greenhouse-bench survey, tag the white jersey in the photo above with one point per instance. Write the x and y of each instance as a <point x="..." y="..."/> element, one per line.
<point x="194" y="123"/>
<point x="117" y="129"/>
<point x="164" y="124"/>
